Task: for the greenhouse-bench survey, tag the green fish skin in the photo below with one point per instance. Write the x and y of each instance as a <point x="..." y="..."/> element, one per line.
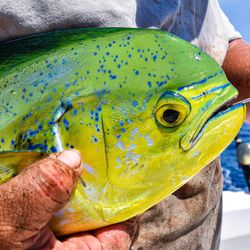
<point x="143" y="107"/>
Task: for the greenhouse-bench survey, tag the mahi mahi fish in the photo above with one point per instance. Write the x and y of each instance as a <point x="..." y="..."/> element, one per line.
<point x="146" y="109"/>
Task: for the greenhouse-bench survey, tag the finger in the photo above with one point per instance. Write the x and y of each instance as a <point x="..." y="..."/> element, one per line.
<point x="28" y="201"/>
<point x="83" y="241"/>
<point x="115" y="237"/>
<point x="119" y="236"/>
<point x="43" y="238"/>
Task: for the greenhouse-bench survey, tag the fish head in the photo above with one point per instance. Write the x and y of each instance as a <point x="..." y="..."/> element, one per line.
<point x="175" y="108"/>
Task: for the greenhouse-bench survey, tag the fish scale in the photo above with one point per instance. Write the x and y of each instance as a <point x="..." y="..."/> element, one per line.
<point x="109" y="92"/>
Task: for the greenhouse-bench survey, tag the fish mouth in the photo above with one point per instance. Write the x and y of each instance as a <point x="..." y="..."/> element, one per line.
<point x="226" y="107"/>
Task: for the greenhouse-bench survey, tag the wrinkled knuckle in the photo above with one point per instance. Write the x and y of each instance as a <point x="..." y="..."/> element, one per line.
<point x="14" y="212"/>
<point x="50" y="181"/>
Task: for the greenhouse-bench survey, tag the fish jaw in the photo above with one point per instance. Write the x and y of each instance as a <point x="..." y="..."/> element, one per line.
<point x="187" y="144"/>
<point x="220" y="130"/>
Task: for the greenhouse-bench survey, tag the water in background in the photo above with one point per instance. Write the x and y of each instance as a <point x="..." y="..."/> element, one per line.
<point x="233" y="175"/>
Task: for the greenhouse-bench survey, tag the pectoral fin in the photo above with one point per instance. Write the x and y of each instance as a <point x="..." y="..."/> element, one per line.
<point x="12" y="163"/>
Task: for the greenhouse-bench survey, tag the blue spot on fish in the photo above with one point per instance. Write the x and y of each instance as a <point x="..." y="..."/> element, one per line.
<point x="135" y="103"/>
<point x="66" y="124"/>
<point x="53" y="149"/>
<point x="159" y="84"/>
<point x="112" y="77"/>
<point x="134" y="131"/>
<point x="64" y="61"/>
<point x="40" y="126"/>
<point x="129" y="121"/>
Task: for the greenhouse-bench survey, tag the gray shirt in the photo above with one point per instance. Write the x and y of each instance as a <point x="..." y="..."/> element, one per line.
<point x="199" y="21"/>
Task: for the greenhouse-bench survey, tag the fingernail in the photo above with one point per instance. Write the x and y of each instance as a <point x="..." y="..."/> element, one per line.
<point x="71" y="158"/>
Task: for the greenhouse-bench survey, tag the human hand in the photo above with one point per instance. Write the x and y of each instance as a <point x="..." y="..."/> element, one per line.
<point x="28" y="201"/>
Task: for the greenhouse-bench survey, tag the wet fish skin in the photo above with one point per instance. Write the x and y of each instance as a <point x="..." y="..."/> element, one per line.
<point x="105" y="92"/>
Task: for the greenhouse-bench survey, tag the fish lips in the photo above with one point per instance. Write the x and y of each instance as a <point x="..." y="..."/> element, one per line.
<point x="224" y="109"/>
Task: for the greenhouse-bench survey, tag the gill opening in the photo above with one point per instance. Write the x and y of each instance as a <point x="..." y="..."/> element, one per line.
<point x="105" y="150"/>
<point x="60" y="112"/>
<point x="57" y="117"/>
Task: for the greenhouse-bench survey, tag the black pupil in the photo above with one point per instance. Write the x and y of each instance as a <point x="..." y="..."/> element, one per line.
<point x="170" y="115"/>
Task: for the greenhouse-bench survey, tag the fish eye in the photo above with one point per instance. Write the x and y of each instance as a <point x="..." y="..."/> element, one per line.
<point x="171" y="115"/>
<point x="171" y="109"/>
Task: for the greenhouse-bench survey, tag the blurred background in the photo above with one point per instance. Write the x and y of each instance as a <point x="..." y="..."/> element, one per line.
<point x="238" y="12"/>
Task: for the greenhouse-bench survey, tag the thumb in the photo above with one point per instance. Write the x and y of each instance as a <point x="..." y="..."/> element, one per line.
<point x="28" y="201"/>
